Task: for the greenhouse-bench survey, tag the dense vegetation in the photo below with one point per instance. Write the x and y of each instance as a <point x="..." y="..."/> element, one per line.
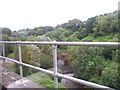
<point x="44" y="80"/>
<point x="99" y="65"/>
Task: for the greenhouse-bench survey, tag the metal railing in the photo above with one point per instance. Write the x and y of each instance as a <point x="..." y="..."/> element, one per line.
<point x="54" y="47"/>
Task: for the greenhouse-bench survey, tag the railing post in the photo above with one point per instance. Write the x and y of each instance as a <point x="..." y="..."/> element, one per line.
<point x="3" y="51"/>
<point x="55" y="64"/>
<point x="20" y="60"/>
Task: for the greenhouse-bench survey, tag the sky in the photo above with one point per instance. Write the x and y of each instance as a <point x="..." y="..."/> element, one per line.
<point x="21" y="14"/>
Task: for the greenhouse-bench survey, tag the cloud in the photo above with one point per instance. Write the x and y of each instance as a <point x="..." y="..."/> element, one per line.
<point x="16" y="14"/>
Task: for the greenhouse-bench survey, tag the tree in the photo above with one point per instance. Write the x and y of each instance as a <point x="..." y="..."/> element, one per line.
<point x="57" y="34"/>
<point x="82" y="33"/>
<point x="110" y="75"/>
<point x="73" y="25"/>
<point x="93" y="65"/>
<point x="106" y="24"/>
<point x="6" y="31"/>
<point x="90" y="24"/>
<point x="8" y="47"/>
<point x="83" y="60"/>
<point x="32" y="54"/>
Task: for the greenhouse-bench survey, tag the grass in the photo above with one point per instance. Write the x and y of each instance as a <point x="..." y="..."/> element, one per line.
<point x="10" y="66"/>
<point x="44" y="80"/>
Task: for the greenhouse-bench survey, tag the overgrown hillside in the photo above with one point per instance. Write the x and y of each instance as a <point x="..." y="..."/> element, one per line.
<point x="98" y="28"/>
<point x="95" y="64"/>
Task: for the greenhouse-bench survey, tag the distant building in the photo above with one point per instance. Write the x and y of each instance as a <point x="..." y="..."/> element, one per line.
<point x="14" y="34"/>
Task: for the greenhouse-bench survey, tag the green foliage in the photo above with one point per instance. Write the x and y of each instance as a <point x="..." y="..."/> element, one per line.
<point x="10" y="66"/>
<point x="88" y="39"/>
<point x="6" y="31"/>
<point x="72" y="25"/>
<point x="110" y="75"/>
<point x="90" y="24"/>
<point x="46" y="61"/>
<point x="31" y="38"/>
<point x="99" y="28"/>
<point x="11" y="55"/>
<point x="67" y="33"/>
<point x="107" y="53"/>
<point x="73" y="37"/>
<point x="26" y="58"/>
<point x="82" y="33"/>
<point x="32" y="54"/>
<point x="57" y="34"/>
<point x="84" y="60"/>
<point x="40" y="30"/>
<point x="106" y="24"/>
<point x="107" y="38"/>
<point x="59" y="71"/>
<point x="44" y="80"/>
<point x="115" y="55"/>
<point x="8" y="47"/>
<point x="97" y="65"/>
<point x="26" y="54"/>
<point x="95" y="79"/>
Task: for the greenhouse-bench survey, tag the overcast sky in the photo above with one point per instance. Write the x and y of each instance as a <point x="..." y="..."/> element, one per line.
<point x="19" y="14"/>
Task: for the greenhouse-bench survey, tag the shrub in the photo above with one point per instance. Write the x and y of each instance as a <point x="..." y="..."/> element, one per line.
<point x="44" y="80"/>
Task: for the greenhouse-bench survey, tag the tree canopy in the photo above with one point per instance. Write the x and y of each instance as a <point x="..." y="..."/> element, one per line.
<point x="99" y="65"/>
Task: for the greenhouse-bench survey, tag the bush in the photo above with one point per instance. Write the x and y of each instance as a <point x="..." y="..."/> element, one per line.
<point x="44" y="80"/>
<point x="110" y="75"/>
<point x="46" y="64"/>
<point x="88" y="38"/>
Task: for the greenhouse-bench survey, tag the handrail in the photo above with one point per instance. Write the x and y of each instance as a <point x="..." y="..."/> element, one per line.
<point x="64" y="43"/>
<point x="54" y="46"/>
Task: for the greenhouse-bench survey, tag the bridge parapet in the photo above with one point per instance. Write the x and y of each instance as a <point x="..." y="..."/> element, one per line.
<point x="13" y="80"/>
